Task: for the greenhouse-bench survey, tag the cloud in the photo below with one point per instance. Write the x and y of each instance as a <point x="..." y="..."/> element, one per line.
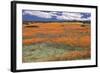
<point x="58" y="15"/>
<point x="74" y="15"/>
<point x="38" y="14"/>
<point x="70" y="16"/>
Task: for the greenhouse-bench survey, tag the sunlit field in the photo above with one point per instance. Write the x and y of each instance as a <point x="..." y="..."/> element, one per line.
<point x="55" y="41"/>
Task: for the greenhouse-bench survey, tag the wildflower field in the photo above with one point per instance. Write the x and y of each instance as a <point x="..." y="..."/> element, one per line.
<point x="56" y="41"/>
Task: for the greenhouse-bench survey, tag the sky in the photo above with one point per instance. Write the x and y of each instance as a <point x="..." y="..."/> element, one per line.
<point x="33" y="15"/>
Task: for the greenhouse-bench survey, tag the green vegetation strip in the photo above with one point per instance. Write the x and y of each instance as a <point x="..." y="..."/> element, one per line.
<point x="38" y="52"/>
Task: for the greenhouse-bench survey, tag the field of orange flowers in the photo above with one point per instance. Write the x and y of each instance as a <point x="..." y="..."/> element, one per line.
<point x="73" y="34"/>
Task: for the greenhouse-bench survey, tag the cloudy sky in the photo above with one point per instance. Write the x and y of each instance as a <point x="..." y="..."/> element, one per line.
<point x="31" y="15"/>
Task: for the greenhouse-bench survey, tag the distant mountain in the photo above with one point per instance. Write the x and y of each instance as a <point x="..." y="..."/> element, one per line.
<point x="30" y="15"/>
